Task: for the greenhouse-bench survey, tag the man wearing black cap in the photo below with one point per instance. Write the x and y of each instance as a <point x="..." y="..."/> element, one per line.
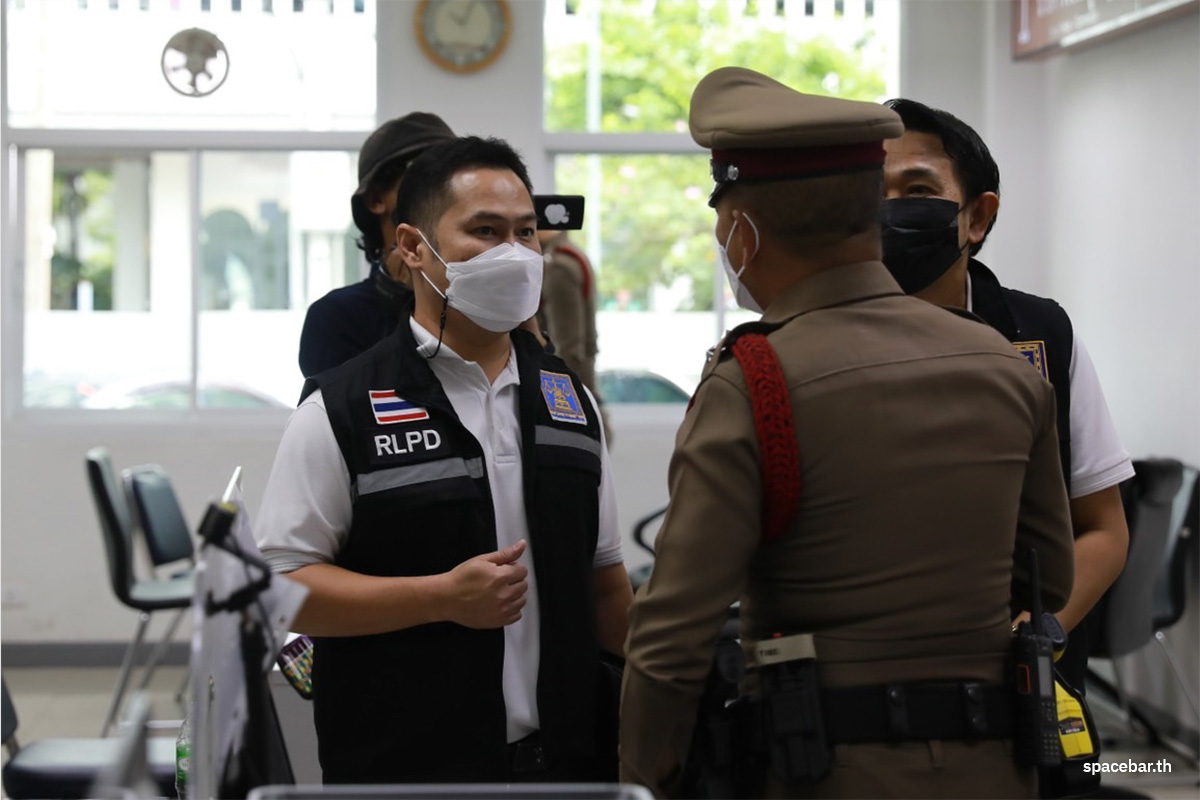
<point x="858" y="469"/>
<point x="347" y="321"/>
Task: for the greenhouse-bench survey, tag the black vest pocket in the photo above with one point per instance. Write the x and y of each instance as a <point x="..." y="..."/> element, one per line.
<point x="420" y="519"/>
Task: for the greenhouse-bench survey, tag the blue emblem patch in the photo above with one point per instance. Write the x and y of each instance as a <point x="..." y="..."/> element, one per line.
<point x="1035" y="354"/>
<point x="561" y="400"/>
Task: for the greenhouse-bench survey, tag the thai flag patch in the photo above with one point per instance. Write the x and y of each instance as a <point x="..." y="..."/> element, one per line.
<point x="389" y="408"/>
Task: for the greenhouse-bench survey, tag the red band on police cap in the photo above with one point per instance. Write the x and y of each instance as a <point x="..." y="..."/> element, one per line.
<point x="794" y="162"/>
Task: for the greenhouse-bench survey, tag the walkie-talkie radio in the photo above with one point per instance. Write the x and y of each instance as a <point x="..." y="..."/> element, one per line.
<point x="1035" y="740"/>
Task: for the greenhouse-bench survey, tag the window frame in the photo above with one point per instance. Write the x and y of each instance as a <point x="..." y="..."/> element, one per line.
<point x="581" y="143"/>
<point x="546" y="146"/>
<point x="108" y="143"/>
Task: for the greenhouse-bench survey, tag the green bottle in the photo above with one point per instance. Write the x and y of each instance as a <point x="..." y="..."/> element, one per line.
<point x="183" y="757"/>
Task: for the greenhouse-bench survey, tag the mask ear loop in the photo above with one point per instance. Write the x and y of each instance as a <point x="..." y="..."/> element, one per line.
<point x="728" y="239"/>
<point x="757" y="241"/>
<point x="966" y="248"/>
<point x="445" y="298"/>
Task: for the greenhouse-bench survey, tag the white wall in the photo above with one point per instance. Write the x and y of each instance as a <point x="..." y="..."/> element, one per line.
<point x="1121" y="136"/>
<point x="1098" y="167"/>
<point x="503" y="100"/>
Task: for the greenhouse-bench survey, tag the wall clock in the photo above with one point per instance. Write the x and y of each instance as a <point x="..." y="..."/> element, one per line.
<point x="463" y="35"/>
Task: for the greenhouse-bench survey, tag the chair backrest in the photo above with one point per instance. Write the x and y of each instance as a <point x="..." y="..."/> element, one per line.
<point x="9" y="727"/>
<point x="156" y="509"/>
<point x="1170" y="591"/>
<point x="1128" y="617"/>
<point x="115" y="521"/>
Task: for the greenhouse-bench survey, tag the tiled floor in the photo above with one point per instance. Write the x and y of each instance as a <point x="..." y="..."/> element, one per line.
<point x="68" y="702"/>
<point x="72" y="702"/>
<point x="1179" y="780"/>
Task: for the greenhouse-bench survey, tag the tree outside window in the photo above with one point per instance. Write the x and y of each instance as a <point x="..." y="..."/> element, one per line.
<point x="629" y="66"/>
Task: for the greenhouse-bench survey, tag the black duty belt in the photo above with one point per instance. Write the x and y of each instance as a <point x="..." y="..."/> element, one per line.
<point x="917" y="711"/>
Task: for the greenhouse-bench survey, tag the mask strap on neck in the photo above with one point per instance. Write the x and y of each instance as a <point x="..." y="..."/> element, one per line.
<point x="445" y="298"/>
<point x="441" y="330"/>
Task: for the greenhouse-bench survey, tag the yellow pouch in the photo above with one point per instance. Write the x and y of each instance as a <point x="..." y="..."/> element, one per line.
<point x="1074" y="732"/>
<point x="1080" y="742"/>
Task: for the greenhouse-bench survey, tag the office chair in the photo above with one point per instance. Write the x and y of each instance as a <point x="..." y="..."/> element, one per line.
<point x="1170" y="592"/>
<point x="156" y="510"/>
<point x="1171" y="589"/>
<point x="1150" y="592"/>
<point x="642" y="574"/>
<point x="128" y="775"/>
<point x="157" y="514"/>
<point x="143" y="595"/>
<point x="71" y="768"/>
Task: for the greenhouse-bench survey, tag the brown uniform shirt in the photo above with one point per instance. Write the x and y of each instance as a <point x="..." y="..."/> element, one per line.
<point x="568" y="311"/>
<point x="928" y="453"/>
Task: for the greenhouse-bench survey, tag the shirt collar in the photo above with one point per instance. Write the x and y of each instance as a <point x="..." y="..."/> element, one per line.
<point x="833" y="287"/>
<point x="427" y="343"/>
<point x="446" y="358"/>
<point x="986" y="300"/>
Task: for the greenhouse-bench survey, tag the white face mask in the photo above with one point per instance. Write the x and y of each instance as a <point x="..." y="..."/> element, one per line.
<point x="497" y="289"/>
<point x="741" y="294"/>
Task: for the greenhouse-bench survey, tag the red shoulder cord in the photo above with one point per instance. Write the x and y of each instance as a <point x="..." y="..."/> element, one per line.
<point x="578" y="255"/>
<point x="780" y="457"/>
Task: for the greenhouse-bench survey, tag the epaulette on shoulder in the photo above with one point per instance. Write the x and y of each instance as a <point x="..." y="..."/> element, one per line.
<point x="757" y="326"/>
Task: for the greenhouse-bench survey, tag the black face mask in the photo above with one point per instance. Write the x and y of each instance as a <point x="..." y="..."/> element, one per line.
<point x="920" y="240"/>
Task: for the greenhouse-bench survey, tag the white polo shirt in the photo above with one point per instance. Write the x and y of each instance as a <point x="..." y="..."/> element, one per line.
<point x="1098" y="461"/>
<point x="307" y="512"/>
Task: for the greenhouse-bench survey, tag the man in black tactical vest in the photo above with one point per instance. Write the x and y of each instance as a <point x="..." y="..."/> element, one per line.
<point x="942" y="187"/>
<point x="445" y="497"/>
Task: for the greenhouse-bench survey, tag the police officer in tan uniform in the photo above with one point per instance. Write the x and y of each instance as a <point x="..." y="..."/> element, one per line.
<point x="927" y="458"/>
<point x="568" y="309"/>
<point x="567" y="314"/>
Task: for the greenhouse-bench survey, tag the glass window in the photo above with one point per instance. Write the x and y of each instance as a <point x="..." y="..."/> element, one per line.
<point x="133" y="65"/>
<point x="107" y="280"/>
<point x="649" y="233"/>
<point x="631" y="65"/>
<point x="157" y="278"/>
<point x="275" y="234"/>
<point x="109" y="274"/>
<point x="619" y="69"/>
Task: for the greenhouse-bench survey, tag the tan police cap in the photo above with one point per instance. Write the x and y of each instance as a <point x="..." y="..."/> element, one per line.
<point x="760" y="130"/>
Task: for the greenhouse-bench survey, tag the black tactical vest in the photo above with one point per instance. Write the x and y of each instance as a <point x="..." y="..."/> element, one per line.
<point x="1041" y="331"/>
<point x="426" y="703"/>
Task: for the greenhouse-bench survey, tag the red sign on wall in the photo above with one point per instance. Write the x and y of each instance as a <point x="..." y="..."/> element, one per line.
<point x="1041" y="27"/>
